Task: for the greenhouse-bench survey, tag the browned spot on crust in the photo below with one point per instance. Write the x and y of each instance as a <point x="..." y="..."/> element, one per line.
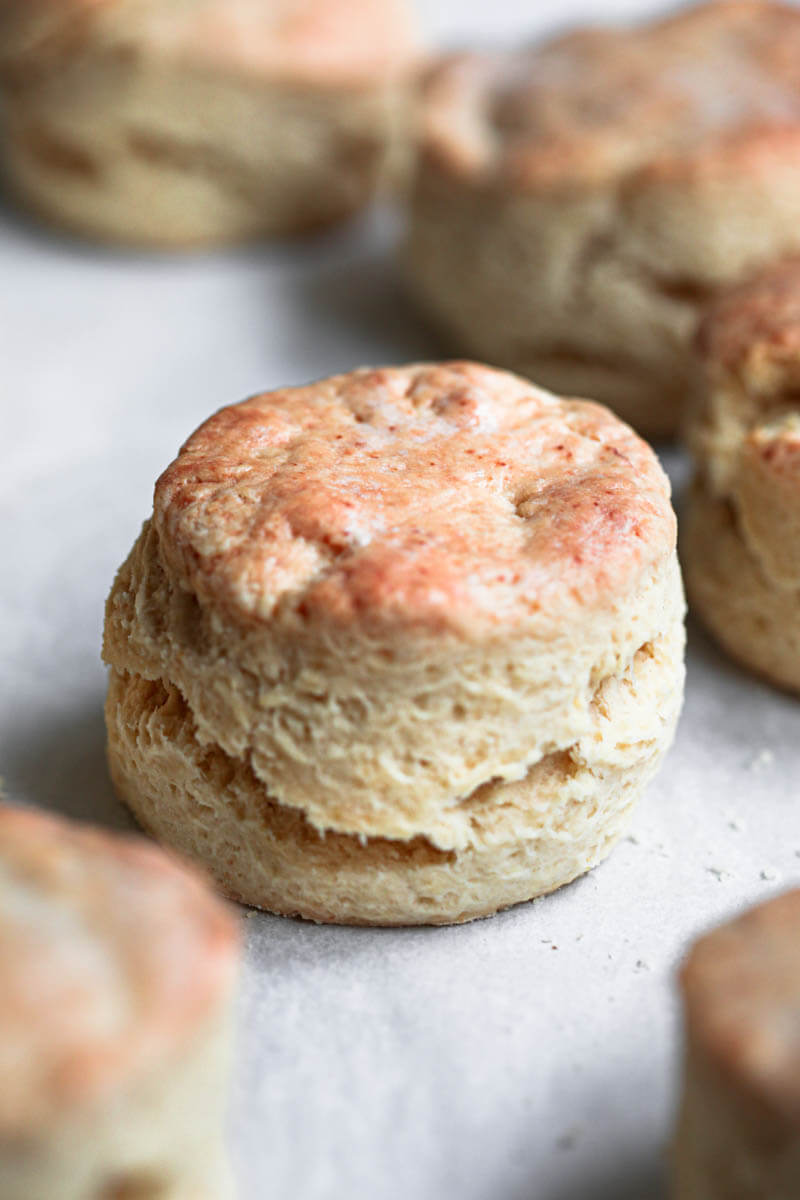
<point x="57" y="153"/>
<point x="136" y="1187"/>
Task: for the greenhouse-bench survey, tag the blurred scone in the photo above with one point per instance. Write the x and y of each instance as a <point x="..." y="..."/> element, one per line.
<point x="400" y="646"/>
<point x="741" y="537"/>
<point x="116" y="965"/>
<point x="180" y="122"/>
<point x="576" y="204"/>
<point x="739" y="1128"/>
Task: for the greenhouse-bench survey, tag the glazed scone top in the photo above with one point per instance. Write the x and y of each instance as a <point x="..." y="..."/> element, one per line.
<point x="742" y="991"/>
<point x="111" y="957"/>
<point x="440" y="496"/>
<point x="712" y="84"/>
<point x="309" y="41"/>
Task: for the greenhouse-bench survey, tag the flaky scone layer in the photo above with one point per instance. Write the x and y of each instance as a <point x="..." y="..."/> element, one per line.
<point x="390" y="588"/>
<point x="607" y="183"/>
<point x="519" y="839"/>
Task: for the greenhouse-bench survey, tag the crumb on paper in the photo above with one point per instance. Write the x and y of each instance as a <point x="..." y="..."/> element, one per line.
<point x="769" y="875"/>
<point x="719" y="873"/>
<point x="641" y="965"/>
<point x="567" y="1140"/>
<point x="736" y="825"/>
<point x="764" y="758"/>
<point x="634" y="841"/>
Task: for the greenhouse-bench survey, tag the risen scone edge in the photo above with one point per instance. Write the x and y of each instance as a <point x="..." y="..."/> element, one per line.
<point x="738" y="1129"/>
<point x="607" y="182"/>
<point x="181" y="128"/>
<point x="117" y="965"/>
<point x="526" y="838"/>
<point x="740" y="539"/>
<point x="401" y="734"/>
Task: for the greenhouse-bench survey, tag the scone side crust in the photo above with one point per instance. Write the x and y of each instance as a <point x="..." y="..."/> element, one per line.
<point x="449" y="497"/>
<point x="754" y="620"/>
<point x="741" y="986"/>
<point x="604" y="104"/>
<point x="369" y="734"/>
<point x="744" y="430"/>
<point x="115" y="956"/>
<point x="347" y="43"/>
<point x="153" y="739"/>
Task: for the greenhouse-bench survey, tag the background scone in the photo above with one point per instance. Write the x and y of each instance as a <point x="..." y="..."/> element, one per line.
<point x="401" y="646"/>
<point x="739" y="1128"/>
<point x="605" y="183"/>
<point x="741" y="537"/>
<point x="201" y="121"/>
<point x="117" y="965"/>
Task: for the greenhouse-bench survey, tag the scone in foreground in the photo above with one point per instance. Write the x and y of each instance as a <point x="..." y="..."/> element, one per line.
<point x="606" y="184"/>
<point x="202" y="121"/>
<point x="741" y="538"/>
<point x="117" y="966"/>
<point x="739" y="1129"/>
<point x="401" y="646"/>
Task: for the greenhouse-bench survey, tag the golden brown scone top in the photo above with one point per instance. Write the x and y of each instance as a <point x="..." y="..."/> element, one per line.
<point x="310" y="41"/>
<point x="754" y="327"/>
<point x="713" y="85"/>
<point x="442" y="496"/>
<point x="111" y="956"/>
<point x="742" y="991"/>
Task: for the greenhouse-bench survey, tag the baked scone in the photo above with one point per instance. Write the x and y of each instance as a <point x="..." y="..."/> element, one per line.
<point x="400" y="646"/>
<point x="117" y="965"/>
<point x="188" y="122"/>
<point x="577" y="203"/>
<point x="738" y="1132"/>
<point x="741" y="537"/>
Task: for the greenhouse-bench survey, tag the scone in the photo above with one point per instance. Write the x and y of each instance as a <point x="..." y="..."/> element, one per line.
<point x="400" y="646"/>
<point x="117" y="965"/>
<point x="576" y="204"/>
<point x="183" y="122"/>
<point x="738" y="1133"/>
<point x="741" y="536"/>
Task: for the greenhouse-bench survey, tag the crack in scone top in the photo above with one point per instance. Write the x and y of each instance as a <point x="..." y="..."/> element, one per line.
<point x="439" y="497"/>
